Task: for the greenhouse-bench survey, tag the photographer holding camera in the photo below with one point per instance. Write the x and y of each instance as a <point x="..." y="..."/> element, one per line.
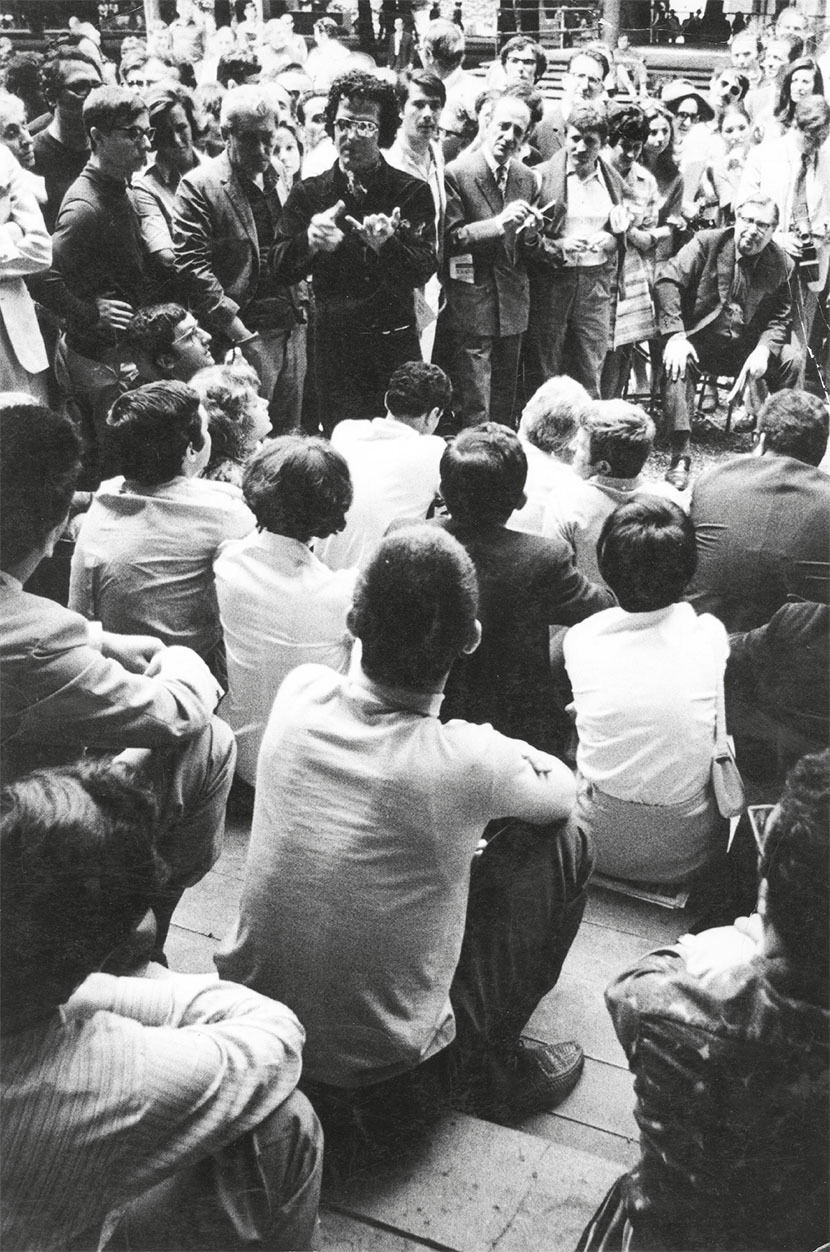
<point x="795" y="172"/>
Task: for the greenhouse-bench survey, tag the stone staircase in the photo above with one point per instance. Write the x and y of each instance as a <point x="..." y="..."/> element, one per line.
<point x="474" y="1186"/>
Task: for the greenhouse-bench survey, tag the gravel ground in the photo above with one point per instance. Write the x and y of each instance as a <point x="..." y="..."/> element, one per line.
<point x="710" y="443"/>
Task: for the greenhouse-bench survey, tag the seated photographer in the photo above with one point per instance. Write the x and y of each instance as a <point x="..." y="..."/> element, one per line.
<point x="726" y="1033"/>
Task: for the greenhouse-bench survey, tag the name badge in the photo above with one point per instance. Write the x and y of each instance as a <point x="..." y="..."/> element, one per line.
<point x="462" y="269"/>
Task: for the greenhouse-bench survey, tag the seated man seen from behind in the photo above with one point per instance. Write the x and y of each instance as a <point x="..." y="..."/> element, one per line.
<point x="526" y="584"/>
<point x="546" y="431"/>
<point x="727" y="1036"/>
<point x="160" y="1112"/>
<point x="68" y="687"/>
<point x="144" y="554"/>
<point x="645" y="679"/>
<point x="353" y="907"/>
<point x="612" y="443"/>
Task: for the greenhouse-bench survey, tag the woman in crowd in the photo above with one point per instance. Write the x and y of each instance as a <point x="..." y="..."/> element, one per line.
<point x="724" y="172"/>
<point x="801" y="78"/>
<point x="175" y="132"/>
<point x="659" y="159"/>
<point x="645" y="678"/>
<point x="288" y="151"/>
<point x="238" y="418"/>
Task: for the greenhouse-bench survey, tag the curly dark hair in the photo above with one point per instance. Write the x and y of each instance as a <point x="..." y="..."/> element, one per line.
<point x="796" y="866"/>
<point x="39" y="470"/>
<point x="626" y="121"/>
<point x="647" y="554"/>
<point x="299" y="487"/>
<point x="358" y="87"/>
<point x="415" y="608"/>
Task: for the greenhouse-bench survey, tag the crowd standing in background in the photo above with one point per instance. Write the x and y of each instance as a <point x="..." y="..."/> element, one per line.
<point x="324" y="492"/>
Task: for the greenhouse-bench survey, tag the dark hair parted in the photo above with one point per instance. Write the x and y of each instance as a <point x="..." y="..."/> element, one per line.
<point x="152" y="329"/>
<point x="161" y="99"/>
<point x="237" y="66"/>
<point x="416" y="388"/>
<point x="106" y="108"/>
<point x="358" y="87"/>
<point x="796" y="866"/>
<point x="626" y="121"/>
<point x="428" y="82"/>
<point x="151" y="428"/>
<point x="299" y="487"/>
<point x="795" y="424"/>
<point x="519" y="43"/>
<point x="52" y="69"/>
<point x="40" y="461"/>
<point x="415" y="608"/>
<point x="483" y="474"/>
<point x="647" y="554"/>
<point x="78" y="873"/>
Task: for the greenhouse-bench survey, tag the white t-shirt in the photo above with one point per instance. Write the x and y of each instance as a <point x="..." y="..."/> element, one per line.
<point x="394" y="474"/>
<point x="645" y="692"/>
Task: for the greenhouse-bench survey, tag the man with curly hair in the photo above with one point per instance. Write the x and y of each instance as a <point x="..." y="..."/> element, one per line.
<point x="366" y="233"/>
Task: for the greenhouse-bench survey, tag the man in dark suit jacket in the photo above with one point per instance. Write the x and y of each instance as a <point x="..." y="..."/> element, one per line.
<point x="762" y="521"/>
<point x="491" y="234"/>
<point x="366" y="233"/>
<point x="226" y="216"/>
<point x="724" y="306"/>
<point x="526" y="584"/>
<point x="586" y="220"/>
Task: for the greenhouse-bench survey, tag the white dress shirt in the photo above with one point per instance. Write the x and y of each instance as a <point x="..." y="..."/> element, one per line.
<point x="394" y="475"/>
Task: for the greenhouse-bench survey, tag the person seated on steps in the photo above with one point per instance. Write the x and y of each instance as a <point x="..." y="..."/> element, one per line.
<point x="367" y="818"/>
<point x="726" y="1034"/>
<point x="161" y="1111"/>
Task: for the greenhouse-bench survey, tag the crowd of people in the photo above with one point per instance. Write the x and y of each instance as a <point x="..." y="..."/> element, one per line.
<point x="321" y="498"/>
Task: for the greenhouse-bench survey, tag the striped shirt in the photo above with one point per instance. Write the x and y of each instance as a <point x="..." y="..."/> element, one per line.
<point x="131" y="1081"/>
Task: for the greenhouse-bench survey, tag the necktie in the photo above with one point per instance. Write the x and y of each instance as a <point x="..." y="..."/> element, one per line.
<point x="501" y="179"/>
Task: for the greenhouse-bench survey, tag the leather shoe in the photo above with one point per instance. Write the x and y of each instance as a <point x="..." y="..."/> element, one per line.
<point x="678" y="473"/>
<point x="745" y="425"/>
<point x="545" y="1074"/>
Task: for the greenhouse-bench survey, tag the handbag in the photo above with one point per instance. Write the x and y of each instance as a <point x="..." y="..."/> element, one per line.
<point x="727" y="783"/>
<point x="634" y="320"/>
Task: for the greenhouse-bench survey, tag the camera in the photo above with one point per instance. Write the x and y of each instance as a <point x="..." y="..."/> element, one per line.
<point x="808" y="261"/>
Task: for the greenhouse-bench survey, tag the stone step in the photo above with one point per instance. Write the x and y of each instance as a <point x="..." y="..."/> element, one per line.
<point x="471" y="1187"/>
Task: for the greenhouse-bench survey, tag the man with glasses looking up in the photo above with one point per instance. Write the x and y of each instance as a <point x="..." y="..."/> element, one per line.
<point x="366" y="233"/>
<point x="101" y="271"/>
<point x="582" y="83"/>
<point x="724" y="307"/>
<point x="62" y="149"/>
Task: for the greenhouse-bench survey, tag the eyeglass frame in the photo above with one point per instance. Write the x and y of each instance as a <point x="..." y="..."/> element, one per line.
<point x="362" y="127"/>
<point x="137" y="132"/>
<point x="190" y="333"/>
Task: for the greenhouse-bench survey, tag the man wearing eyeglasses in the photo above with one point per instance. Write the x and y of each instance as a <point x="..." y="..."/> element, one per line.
<point x="62" y="149"/>
<point x="582" y="83"/>
<point x="366" y="233"/>
<point x="102" y="272"/>
<point x="724" y="307"/>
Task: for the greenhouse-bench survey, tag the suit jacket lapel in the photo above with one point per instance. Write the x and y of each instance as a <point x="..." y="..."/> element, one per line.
<point x="242" y="208"/>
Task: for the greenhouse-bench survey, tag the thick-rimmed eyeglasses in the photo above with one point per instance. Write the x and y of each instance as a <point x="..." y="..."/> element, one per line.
<point x="135" y="133"/>
<point x="350" y="126"/>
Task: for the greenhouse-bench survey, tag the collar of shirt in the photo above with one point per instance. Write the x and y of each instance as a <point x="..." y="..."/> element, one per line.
<point x="9" y="580"/>
<point x="595" y="177"/>
<point x="427" y="703"/>
<point x="493" y="164"/>
<point x="425" y="165"/>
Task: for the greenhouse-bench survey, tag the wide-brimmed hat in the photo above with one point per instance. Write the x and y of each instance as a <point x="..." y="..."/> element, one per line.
<point x="681" y="89"/>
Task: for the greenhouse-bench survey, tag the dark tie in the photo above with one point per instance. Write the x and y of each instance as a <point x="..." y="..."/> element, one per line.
<point x="501" y="179"/>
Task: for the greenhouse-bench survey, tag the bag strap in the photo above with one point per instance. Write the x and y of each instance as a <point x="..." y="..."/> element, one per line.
<point x="721" y="744"/>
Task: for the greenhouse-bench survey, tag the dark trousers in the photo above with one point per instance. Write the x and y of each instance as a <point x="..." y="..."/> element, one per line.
<point x="527" y="897"/>
<point x="353" y="365"/>
<point x="717" y="355"/>
<point x="485" y="374"/>
<point x="570" y="327"/>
